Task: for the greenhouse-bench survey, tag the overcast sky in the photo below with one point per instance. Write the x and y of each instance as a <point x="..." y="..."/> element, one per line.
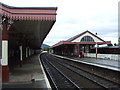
<point x="77" y="16"/>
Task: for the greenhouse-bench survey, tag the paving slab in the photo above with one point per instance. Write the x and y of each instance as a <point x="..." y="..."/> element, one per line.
<point x="107" y="62"/>
<point x="23" y="77"/>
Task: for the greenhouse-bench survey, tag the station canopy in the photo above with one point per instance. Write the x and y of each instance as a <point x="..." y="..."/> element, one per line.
<point x="85" y="38"/>
<point x="28" y="26"/>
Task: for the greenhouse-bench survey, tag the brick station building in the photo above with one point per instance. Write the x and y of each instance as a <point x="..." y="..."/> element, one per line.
<point x="77" y="44"/>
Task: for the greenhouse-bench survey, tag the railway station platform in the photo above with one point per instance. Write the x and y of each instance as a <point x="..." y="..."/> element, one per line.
<point x="112" y="63"/>
<point x="30" y="75"/>
<point x="105" y="63"/>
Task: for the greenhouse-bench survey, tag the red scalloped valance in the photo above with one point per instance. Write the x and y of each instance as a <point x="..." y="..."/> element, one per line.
<point x="18" y="13"/>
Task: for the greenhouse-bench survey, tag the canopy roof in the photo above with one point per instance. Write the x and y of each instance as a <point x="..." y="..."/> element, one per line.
<point x="28" y="25"/>
<point x="77" y="39"/>
<point x="28" y="13"/>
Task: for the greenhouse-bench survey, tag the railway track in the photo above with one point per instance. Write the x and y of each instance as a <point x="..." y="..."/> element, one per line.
<point x="57" y="79"/>
<point x="110" y="75"/>
<point x="79" y="77"/>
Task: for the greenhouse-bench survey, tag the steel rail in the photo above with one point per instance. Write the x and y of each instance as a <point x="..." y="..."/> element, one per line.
<point x="64" y="75"/>
<point x="49" y="74"/>
<point x="77" y="87"/>
<point x="93" y="80"/>
<point x="116" y="82"/>
<point x="53" y="61"/>
<point x="78" y="67"/>
<point x="106" y="87"/>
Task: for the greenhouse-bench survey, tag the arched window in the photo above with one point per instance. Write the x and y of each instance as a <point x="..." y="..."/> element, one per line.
<point x="87" y="39"/>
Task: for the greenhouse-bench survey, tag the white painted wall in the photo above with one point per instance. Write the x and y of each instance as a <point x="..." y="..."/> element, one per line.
<point x="87" y="34"/>
<point x="4" y="53"/>
<point x="104" y="56"/>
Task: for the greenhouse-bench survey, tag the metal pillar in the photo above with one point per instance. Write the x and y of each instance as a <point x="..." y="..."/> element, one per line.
<point x="4" y="61"/>
<point x="26" y="52"/>
<point x="21" y="58"/>
<point x="96" y="50"/>
<point x="78" y="50"/>
<point x="29" y="52"/>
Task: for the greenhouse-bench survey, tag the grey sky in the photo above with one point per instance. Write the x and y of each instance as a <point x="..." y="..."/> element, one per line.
<point x="77" y="16"/>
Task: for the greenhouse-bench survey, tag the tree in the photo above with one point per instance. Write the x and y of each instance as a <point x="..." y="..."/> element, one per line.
<point x="109" y="45"/>
<point x="115" y="44"/>
<point x="46" y="49"/>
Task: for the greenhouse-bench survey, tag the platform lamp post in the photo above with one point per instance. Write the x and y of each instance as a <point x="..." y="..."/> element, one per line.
<point x="96" y="47"/>
<point x="96" y="50"/>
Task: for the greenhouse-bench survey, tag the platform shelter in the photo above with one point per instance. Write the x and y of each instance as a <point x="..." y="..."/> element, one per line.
<point x="23" y="31"/>
<point x="75" y="45"/>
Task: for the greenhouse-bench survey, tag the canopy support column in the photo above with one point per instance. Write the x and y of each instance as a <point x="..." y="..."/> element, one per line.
<point x="5" y="68"/>
<point x="78" y="50"/>
<point x="26" y="52"/>
<point x="21" y="58"/>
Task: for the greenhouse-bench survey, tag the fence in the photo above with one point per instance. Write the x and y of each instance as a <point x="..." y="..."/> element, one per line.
<point x="104" y="56"/>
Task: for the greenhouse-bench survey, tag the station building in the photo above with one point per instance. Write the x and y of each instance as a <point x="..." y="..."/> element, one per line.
<point x="81" y="42"/>
<point x="23" y="30"/>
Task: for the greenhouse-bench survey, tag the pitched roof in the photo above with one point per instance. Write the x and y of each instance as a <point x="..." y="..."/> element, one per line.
<point x="75" y="37"/>
<point x="71" y="40"/>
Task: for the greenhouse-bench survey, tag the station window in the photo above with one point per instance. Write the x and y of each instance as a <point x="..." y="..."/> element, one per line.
<point x="87" y="39"/>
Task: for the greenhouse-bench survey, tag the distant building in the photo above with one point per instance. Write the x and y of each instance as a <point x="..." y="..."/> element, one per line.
<point x="81" y="42"/>
<point x="107" y="50"/>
